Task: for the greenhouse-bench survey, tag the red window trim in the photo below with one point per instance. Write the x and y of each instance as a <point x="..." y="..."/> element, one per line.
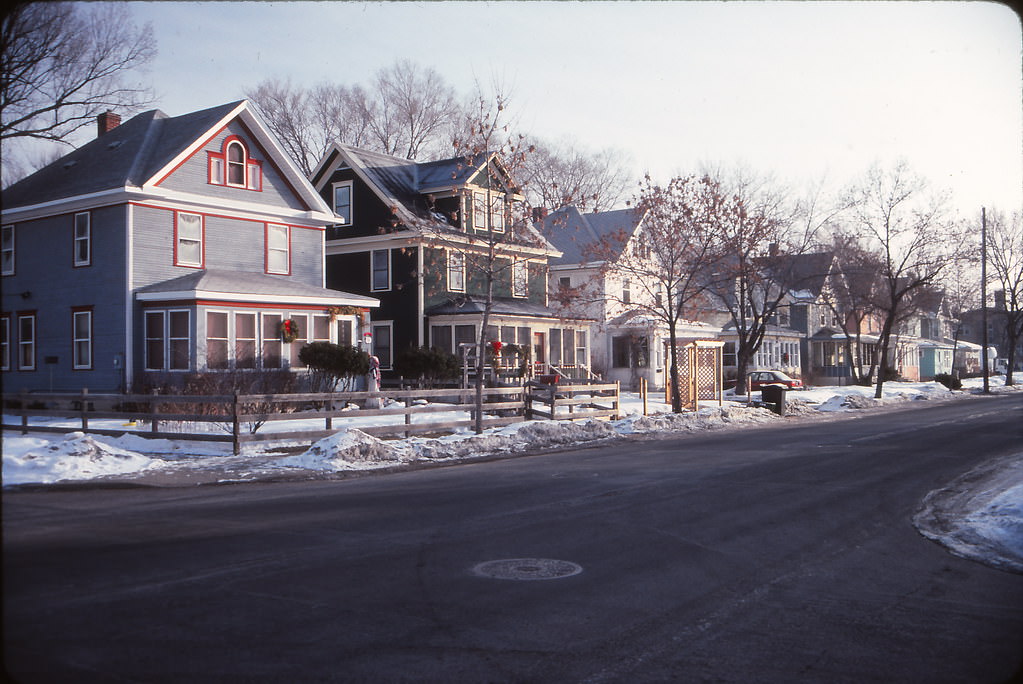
<point x="92" y="337"/>
<point x="266" y="248"/>
<point x="248" y="162"/>
<point x="202" y="256"/>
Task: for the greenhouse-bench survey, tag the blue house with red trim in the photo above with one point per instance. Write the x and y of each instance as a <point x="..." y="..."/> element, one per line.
<point x="166" y="246"/>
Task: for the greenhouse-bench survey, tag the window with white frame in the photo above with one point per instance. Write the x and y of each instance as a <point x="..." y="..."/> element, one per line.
<point x="626" y="291"/>
<point x="81" y="343"/>
<point x="188" y="239"/>
<point x="5" y="342"/>
<point x="235" y="163"/>
<point x="271" y="357"/>
<point x="381" y="270"/>
<point x="7" y="250"/>
<point x="154" y="326"/>
<point x="26" y="341"/>
<point x="456" y="271"/>
<point x="302" y="322"/>
<point x="244" y="340"/>
<point x="168" y="340"/>
<point x="479" y="211"/>
<point x="520" y="279"/>
<point x="217" y="341"/>
<point x="278" y="249"/>
<point x="497" y="209"/>
<point x="83" y="239"/>
<point x="343" y="201"/>
<point x="383" y="344"/>
<point x="233" y="166"/>
<point x="179" y="340"/>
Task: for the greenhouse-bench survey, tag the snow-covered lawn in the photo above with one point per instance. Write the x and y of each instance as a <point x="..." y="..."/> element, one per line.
<point x="34" y="458"/>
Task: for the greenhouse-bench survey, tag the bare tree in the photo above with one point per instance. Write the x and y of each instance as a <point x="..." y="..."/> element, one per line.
<point x="414" y="106"/>
<point x="1005" y="254"/>
<point x="65" y="63"/>
<point x="285" y="108"/>
<point x="854" y="303"/>
<point x="559" y="174"/>
<point x="665" y="261"/>
<point x="407" y="111"/>
<point x="914" y="238"/>
<point x="756" y="223"/>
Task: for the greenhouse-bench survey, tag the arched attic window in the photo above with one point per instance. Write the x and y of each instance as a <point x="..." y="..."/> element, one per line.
<point x="234" y="167"/>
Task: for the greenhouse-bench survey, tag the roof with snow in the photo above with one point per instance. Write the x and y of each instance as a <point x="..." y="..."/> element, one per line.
<point x="571" y="230"/>
<point x="243" y="286"/>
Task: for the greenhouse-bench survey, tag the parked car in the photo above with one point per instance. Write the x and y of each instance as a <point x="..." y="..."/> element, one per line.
<point x="773" y="377"/>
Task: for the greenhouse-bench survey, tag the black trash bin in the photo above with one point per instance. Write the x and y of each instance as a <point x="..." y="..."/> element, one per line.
<point x="775" y="396"/>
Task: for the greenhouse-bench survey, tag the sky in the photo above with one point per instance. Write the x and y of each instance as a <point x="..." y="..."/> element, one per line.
<point x="804" y="91"/>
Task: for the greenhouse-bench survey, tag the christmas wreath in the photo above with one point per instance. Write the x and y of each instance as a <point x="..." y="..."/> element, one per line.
<point x="289" y="330"/>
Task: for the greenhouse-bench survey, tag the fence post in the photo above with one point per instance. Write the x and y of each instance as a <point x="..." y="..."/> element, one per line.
<point x="24" y="411"/>
<point x="618" y="399"/>
<point x="642" y="393"/>
<point x="527" y="403"/>
<point x="154" y="408"/>
<point x="235" y="427"/>
<point x="408" y="415"/>
<point x="85" y="408"/>
<point x="329" y="420"/>
<point x="552" y="402"/>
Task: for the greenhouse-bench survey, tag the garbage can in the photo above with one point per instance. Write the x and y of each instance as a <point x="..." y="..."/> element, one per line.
<point x="775" y="396"/>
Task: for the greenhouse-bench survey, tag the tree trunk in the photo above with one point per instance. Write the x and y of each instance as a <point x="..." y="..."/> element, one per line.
<point x="882" y="370"/>
<point x="676" y="398"/>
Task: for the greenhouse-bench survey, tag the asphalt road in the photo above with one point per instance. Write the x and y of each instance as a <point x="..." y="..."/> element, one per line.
<point x="779" y="554"/>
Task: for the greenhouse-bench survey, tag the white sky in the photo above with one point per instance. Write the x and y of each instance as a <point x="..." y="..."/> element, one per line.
<point x="803" y="90"/>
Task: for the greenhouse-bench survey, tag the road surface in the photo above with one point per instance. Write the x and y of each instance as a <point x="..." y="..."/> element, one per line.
<point x="777" y="554"/>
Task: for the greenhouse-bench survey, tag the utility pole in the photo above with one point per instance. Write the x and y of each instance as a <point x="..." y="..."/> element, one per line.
<point x="983" y="298"/>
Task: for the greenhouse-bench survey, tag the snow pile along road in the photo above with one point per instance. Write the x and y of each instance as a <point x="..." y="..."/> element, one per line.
<point x="979" y="515"/>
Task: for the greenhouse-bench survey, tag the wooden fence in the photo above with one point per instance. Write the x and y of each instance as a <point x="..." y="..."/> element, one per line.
<point x="237" y="418"/>
<point x="582" y="401"/>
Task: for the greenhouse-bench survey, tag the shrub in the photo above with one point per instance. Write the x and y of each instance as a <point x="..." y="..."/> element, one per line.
<point x="949" y="381"/>
<point x="427" y="365"/>
<point x="333" y="365"/>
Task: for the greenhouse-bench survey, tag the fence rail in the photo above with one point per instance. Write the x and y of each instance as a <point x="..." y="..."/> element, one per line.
<point x="229" y="413"/>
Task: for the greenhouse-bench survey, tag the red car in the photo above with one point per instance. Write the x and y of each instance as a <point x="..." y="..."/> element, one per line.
<point x="772" y="377"/>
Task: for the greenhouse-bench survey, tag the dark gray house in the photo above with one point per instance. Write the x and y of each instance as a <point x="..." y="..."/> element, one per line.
<point x="414" y="235"/>
<point x="165" y="246"/>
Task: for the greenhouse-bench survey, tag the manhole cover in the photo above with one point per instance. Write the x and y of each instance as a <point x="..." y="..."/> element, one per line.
<point x="527" y="569"/>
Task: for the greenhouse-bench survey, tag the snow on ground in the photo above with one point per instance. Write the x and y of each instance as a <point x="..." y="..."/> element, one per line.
<point x="989" y="525"/>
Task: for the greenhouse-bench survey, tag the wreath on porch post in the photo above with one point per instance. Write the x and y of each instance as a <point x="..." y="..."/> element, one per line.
<point x="289" y="330"/>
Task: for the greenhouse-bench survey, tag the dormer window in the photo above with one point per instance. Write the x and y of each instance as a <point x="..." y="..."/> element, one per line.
<point x="497" y="208"/>
<point x="234" y="167"/>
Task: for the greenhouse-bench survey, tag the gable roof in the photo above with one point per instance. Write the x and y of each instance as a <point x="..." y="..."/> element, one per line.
<point x="570" y="230"/>
<point x="404" y="185"/>
<point x="136" y="155"/>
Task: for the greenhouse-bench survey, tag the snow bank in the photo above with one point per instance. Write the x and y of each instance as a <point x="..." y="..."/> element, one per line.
<point x="75" y="457"/>
<point x="350" y="449"/>
<point x="980" y="514"/>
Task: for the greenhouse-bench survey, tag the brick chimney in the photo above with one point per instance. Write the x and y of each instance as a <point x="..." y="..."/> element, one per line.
<point x="772" y="249"/>
<point x="106" y="122"/>
<point x="539" y="214"/>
